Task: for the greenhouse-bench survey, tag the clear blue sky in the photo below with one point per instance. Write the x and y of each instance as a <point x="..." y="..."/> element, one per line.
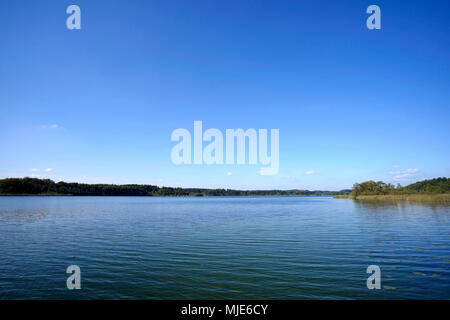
<point x="99" y="104"/>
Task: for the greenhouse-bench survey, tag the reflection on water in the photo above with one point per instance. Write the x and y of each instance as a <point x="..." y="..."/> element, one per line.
<point x="248" y="248"/>
<point x="398" y="205"/>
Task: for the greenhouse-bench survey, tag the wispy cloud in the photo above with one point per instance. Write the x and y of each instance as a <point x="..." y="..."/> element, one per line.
<point x="404" y="175"/>
<point x="229" y="173"/>
<point x="53" y="126"/>
<point x="40" y="170"/>
<point x="310" y="172"/>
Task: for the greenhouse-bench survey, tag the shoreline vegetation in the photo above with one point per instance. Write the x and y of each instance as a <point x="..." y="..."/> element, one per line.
<point x="431" y="198"/>
<point x="47" y="187"/>
<point x="436" y="191"/>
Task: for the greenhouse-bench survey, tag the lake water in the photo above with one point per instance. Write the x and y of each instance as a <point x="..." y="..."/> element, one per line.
<point x="221" y="248"/>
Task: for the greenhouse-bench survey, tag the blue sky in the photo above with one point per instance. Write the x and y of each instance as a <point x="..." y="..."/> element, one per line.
<point x="99" y="104"/>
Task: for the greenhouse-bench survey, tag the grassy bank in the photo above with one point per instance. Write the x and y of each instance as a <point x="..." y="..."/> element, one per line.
<point x="343" y="196"/>
<point x="425" y="198"/>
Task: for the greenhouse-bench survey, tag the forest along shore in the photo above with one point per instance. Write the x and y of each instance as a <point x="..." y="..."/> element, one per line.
<point x="47" y="187"/>
<point x="433" y="191"/>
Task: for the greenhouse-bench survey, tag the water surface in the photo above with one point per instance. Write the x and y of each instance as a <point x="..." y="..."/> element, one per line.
<point x="221" y="248"/>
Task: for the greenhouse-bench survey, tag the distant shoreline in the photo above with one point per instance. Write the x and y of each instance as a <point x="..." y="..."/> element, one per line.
<point x="47" y="187"/>
<point x="418" y="198"/>
<point x="166" y="196"/>
<point x="427" y="191"/>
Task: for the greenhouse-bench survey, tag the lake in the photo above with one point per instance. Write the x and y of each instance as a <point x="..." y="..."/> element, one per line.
<point x="222" y="248"/>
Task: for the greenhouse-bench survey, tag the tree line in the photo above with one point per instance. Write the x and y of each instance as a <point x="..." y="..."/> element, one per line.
<point x="432" y="186"/>
<point x="34" y="186"/>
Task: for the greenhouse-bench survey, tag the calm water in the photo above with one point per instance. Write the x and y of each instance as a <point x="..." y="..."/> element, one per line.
<point x="212" y="248"/>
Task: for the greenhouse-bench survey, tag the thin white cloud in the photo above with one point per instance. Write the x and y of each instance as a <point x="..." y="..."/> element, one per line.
<point x="310" y="172"/>
<point x="53" y="126"/>
<point x="404" y="171"/>
<point x="229" y="173"/>
<point x="404" y="175"/>
<point x="40" y="170"/>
